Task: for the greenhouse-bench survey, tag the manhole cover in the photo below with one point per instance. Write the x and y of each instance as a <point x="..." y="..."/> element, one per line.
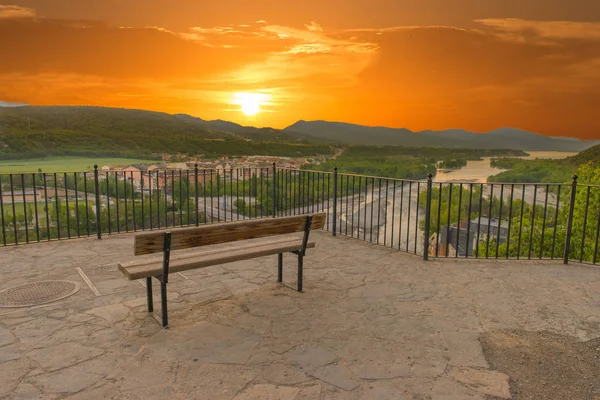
<point x="36" y="293"/>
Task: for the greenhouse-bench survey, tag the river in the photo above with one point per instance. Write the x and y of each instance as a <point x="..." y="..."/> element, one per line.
<point x="478" y="171"/>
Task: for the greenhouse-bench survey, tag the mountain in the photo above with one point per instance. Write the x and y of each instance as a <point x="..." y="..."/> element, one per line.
<point x="248" y="132"/>
<point x="452" y="138"/>
<point x="34" y="131"/>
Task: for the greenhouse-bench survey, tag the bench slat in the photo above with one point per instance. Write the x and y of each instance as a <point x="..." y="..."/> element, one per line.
<point x="148" y="243"/>
<point x="211" y="258"/>
<point x="217" y="249"/>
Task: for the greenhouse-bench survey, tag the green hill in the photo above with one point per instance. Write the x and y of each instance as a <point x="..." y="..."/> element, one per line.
<point x="29" y="132"/>
<point x="584" y="157"/>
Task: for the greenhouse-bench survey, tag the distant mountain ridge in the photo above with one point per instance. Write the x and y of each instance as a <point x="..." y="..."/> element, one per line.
<point x="500" y="138"/>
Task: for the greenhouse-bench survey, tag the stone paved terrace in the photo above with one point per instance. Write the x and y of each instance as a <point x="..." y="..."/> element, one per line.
<point x="373" y="323"/>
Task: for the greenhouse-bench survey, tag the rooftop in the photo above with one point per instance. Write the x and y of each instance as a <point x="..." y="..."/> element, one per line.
<point x="372" y="323"/>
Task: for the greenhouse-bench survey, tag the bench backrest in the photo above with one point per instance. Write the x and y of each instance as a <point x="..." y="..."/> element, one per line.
<point x="154" y="242"/>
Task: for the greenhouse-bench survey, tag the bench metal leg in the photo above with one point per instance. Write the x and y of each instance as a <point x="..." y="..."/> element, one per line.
<point x="280" y="267"/>
<point x="163" y="303"/>
<point x="300" y="271"/>
<point x="149" y="294"/>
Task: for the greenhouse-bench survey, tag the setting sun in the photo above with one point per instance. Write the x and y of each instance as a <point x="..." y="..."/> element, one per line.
<point x="249" y="103"/>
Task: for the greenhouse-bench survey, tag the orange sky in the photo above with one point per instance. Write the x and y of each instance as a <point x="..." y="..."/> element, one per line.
<point x="428" y="64"/>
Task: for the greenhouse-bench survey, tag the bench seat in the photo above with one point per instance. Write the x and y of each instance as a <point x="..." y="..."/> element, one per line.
<point x="207" y="257"/>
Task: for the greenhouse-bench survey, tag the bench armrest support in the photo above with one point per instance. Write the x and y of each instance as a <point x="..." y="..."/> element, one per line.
<point x="307" y="227"/>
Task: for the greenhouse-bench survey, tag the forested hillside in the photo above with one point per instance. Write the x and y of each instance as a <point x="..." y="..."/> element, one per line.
<point x="28" y="132"/>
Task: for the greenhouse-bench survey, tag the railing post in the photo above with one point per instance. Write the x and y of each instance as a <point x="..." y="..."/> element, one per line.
<point x="334" y="219"/>
<point x="570" y="219"/>
<point x="97" y="189"/>
<point x="274" y="190"/>
<point x="427" y="218"/>
<point x="196" y="191"/>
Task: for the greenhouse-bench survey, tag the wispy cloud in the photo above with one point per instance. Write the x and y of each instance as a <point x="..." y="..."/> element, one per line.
<point x="12" y="11"/>
<point x="545" y="29"/>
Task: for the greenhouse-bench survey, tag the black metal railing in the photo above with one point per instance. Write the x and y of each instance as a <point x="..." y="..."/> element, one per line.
<point x="432" y="219"/>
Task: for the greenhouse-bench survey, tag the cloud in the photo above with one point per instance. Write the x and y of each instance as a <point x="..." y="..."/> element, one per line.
<point x="545" y="29"/>
<point x="12" y="12"/>
<point x="11" y="104"/>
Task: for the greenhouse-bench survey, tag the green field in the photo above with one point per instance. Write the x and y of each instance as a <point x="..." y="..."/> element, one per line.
<point x="64" y="164"/>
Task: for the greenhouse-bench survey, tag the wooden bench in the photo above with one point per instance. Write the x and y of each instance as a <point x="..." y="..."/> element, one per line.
<point x="249" y="238"/>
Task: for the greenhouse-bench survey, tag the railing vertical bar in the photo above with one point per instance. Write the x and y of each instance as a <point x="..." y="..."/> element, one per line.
<point x="555" y="221"/>
<point x="125" y="186"/>
<point x="393" y="213"/>
<point x="408" y="219"/>
<point x="479" y="211"/>
<point x="56" y="205"/>
<point x="489" y="224"/>
<point x="366" y="207"/>
<point x="158" y="199"/>
<point x="458" y="224"/>
<point x="334" y="216"/>
<point x="25" y="208"/>
<point x="150" y="201"/>
<point x="14" y="211"/>
<point x="2" y="213"/>
<point x="196" y="205"/>
<point x="532" y="229"/>
<point x="386" y="212"/>
<point x="87" y="206"/>
<point x="2" y="218"/>
<point x="108" y="201"/>
<point x="400" y="215"/>
<point x="469" y="220"/>
<point x="347" y="208"/>
<point x="544" y="221"/>
<point x="231" y="194"/>
<point x="521" y="222"/>
<point x="583" y="232"/>
<point x="117" y="201"/>
<point x="166" y="190"/>
<point x="204" y="195"/>
<point x="595" y="256"/>
<point x="372" y="209"/>
<point x="427" y="217"/>
<point x="353" y="205"/>
<point x="378" y="209"/>
<point x="46" y="208"/>
<point x="180" y="202"/>
<point x="142" y="200"/>
<point x="358" y="208"/>
<point x="510" y="209"/>
<point x="35" y="204"/>
<point x="500" y="220"/>
<point x="448" y="221"/>
<point x="187" y="195"/>
<point x="438" y="230"/>
<point x="67" y="210"/>
<point x="570" y="220"/>
<point x="133" y="203"/>
<point x="417" y="215"/>
<point x="76" y="205"/>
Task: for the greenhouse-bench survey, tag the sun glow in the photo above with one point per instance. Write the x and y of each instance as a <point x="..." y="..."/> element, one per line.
<point x="250" y="103"/>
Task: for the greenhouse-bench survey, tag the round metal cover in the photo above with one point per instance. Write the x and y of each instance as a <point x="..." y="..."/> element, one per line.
<point x="36" y="293"/>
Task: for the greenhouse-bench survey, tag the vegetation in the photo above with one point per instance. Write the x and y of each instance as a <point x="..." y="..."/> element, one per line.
<point x="452" y="164"/>
<point x="66" y="164"/>
<point x="536" y="233"/>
